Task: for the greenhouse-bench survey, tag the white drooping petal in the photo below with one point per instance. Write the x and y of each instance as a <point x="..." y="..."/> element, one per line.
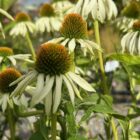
<point x="133" y="42"/>
<point x="70" y="89"/>
<point x="65" y="42"/>
<point x="41" y="95"/>
<point x="85" y="10"/>
<point x="81" y="82"/>
<point x="101" y="11"/>
<point x="1" y="58"/>
<point x="57" y="93"/>
<point x="74" y="88"/>
<point x="72" y="45"/>
<point x="4" y="101"/>
<point x="24" y="83"/>
<point x="123" y="41"/>
<point x="93" y="45"/>
<point x="13" y="61"/>
<point x="95" y="9"/>
<point x="48" y="102"/>
<point x="40" y="83"/>
<point x="78" y="6"/>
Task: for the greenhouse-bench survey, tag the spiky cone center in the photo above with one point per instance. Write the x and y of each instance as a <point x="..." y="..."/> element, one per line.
<point x="53" y="59"/>
<point x="20" y="17"/>
<point x="132" y="10"/>
<point x="6" y="77"/>
<point x="47" y="10"/>
<point x="5" y="51"/>
<point x="136" y="25"/>
<point x="74" y="26"/>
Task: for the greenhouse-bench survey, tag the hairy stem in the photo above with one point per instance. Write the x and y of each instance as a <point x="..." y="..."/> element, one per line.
<point x="11" y="123"/>
<point x="28" y="114"/>
<point x="114" y="129"/>
<point x="31" y="46"/>
<point x="53" y="126"/>
<point x="100" y="55"/>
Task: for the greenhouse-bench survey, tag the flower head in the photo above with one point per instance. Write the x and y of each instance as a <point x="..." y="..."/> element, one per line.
<point x="136" y="25"/>
<point x="131" y="40"/>
<point x="74" y="26"/>
<point x="23" y="25"/>
<point x="20" y="17"/>
<point x="50" y="19"/>
<point x="132" y="10"/>
<point x="6" y="77"/>
<point x="53" y="59"/>
<point x="6" y="53"/>
<point x="51" y="73"/>
<point x="74" y="33"/>
<point x="100" y="10"/>
<point x="47" y="10"/>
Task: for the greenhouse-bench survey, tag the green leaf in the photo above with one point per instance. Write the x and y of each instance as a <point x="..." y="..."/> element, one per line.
<point x="70" y="119"/>
<point x="37" y="136"/>
<point x="3" y="12"/>
<point x="6" y="4"/>
<point x="134" y="135"/>
<point x="77" y="137"/>
<point x="125" y="58"/>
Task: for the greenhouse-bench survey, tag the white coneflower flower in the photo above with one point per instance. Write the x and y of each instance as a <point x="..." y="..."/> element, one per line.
<point x="23" y="25"/>
<point x="62" y="6"/>
<point x="129" y="14"/>
<point x="131" y="41"/>
<point x="124" y="24"/>
<point x="6" y="77"/>
<point x="49" y="21"/>
<point x="52" y="71"/>
<point x="7" y="54"/>
<point x="74" y="33"/>
<point x="100" y="10"/>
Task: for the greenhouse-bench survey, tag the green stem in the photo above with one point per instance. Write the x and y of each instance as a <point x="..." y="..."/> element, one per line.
<point x="100" y="55"/>
<point x="114" y="129"/>
<point x="28" y="114"/>
<point x="11" y="123"/>
<point x="31" y="46"/>
<point x="53" y="126"/>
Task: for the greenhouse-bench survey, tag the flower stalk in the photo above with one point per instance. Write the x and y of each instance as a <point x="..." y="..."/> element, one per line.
<point x="53" y="126"/>
<point x="100" y="55"/>
<point x="114" y="129"/>
<point x="11" y="123"/>
<point x="31" y="46"/>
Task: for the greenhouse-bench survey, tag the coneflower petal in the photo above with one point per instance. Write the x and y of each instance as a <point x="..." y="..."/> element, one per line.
<point x="74" y="88"/>
<point x="48" y="103"/>
<point x="23" y="84"/>
<point x="57" y="93"/>
<point x="13" y="61"/>
<point x="81" y="82"/>
<point x="38" y="97"/>
<point x="70" y="89"/>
